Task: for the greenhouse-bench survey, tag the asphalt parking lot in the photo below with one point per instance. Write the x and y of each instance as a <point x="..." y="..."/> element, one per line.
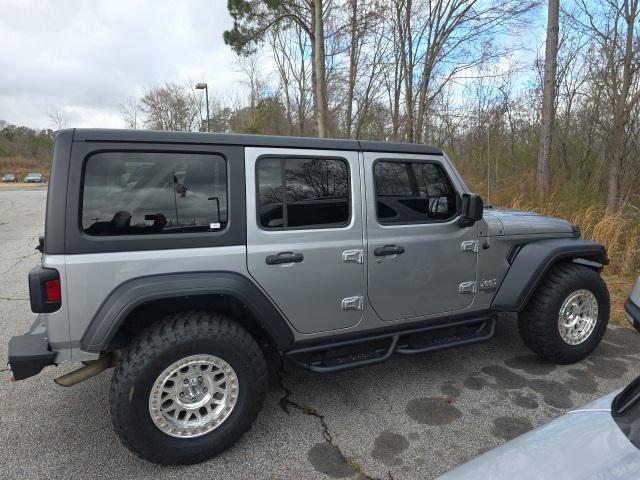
<point x="412" y="417"/>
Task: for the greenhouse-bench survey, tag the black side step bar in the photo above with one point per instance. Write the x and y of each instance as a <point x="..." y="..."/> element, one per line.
<point x="419" y="340"/>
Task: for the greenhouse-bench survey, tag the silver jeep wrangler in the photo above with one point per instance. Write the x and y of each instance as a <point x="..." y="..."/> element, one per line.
<point x="179" y="259"/>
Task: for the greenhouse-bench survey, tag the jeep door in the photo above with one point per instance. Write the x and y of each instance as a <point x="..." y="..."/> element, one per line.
<point x="419" y="261"/>
<point x="305" y="234"/>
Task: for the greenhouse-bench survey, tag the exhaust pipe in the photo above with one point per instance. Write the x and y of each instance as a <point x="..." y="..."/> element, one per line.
<point x="90" y="369"/>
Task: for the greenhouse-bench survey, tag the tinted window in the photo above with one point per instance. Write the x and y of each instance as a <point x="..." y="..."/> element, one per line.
<point x="141" y="193"/>
<point x="413" y="192"/>
<point x="303" y="192"/>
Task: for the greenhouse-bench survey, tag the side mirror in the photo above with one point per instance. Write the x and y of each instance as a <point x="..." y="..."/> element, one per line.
<point x="472" y="208"/>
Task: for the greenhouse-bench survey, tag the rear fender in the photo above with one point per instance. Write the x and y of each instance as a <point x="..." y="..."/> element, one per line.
<point x="125" y="298"/>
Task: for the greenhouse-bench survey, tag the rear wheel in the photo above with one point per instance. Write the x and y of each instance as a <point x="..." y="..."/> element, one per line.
<point x="568" y="314"/>
<point x="187" y="388"/>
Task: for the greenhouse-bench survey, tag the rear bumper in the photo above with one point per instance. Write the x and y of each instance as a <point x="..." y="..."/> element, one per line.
<point x="30" y="353"/>
<point x="632" y="313"/>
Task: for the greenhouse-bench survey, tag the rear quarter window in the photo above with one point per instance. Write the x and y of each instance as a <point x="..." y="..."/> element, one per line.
<point x="137" y="193"/>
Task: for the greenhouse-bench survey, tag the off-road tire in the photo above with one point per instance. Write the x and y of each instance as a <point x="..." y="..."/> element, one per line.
<point x="538" y="323"/>
<point x="177" y="336"/>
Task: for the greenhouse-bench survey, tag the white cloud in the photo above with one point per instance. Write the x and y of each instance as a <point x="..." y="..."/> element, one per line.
<point x="85" y="57"/>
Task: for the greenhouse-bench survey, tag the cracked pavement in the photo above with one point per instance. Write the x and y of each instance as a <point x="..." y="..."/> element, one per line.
<point x="413" y="417"/>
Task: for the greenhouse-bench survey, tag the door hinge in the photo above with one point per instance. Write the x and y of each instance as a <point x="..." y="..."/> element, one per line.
<point x="355" y="256"/>
<point x="469" y="246"/>
<point x="352" y="303"/>
<point x="468" y="287"/>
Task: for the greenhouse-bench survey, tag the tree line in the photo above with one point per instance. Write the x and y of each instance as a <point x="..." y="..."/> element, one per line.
<point x="446" y="72"/>
<point x="23" y="147"/>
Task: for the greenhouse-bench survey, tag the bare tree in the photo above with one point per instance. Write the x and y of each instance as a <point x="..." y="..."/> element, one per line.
<point x="434" y="43"/>
<point x="319" y="73"/>
<point x="289" y="47"/>
<point x="130" y="111"/>
<point x="571" y="81"/>
<point x="355" y="49"/>
<point x="548" y="93"/>
<point x="249" y="66"/>
<point x="170" y="107"/>
<point x="284" y="65"/>
<point x="57" y="118"/>
<point x="253" y="21"/>
<point x="614" y="28"/>
<point x="367" y="47"/>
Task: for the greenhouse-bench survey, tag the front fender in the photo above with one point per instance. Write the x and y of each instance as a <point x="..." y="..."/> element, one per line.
<point x="534" y="260"/>
<point x="133" y="293"/>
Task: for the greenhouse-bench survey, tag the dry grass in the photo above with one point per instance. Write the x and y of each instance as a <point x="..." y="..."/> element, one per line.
<point x="619" y="289"/>
<point x="618" y="232"/>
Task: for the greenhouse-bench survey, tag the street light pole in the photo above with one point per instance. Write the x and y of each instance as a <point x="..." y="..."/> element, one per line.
<point x="205" y="87"/>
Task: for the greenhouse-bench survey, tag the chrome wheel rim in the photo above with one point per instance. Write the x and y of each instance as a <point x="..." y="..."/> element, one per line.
<point x="578" y="317"/>
<point x="193" y="396"/>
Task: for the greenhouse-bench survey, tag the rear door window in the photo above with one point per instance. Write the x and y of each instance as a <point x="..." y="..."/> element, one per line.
<point x="137" y="193"/>
<point x="303" y="193"/>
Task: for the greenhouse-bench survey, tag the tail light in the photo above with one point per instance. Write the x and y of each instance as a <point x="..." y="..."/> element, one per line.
<point x="52" y="290"/>
<point x="45" y="291"/>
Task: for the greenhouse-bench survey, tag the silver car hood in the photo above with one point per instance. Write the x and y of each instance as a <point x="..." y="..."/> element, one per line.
<point x="505" y="221"/>
<point x="584" y="444"/>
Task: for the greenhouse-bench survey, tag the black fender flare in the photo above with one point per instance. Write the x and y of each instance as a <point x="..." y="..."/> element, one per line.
<point x="133" y="293"/>
<point x="535" y="259"/>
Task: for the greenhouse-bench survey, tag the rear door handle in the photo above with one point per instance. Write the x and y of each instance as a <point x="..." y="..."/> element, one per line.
<point x="388" y="250"/>
<point x="284" y="257"/>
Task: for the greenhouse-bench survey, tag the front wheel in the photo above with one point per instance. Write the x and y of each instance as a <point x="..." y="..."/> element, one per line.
<point x="568" y="314"/>
<point x="187" y="388"/>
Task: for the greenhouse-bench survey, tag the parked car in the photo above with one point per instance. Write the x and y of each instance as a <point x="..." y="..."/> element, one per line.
<point x="178" y="258"/>
<point x="34" y="178"/>
<point x="600" y="440"/>
<point x="9" y="177"/>
<point x="632" y="306"/>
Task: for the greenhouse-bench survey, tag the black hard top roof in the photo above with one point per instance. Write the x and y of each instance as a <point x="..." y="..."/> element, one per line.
<point x="156" y="136"/>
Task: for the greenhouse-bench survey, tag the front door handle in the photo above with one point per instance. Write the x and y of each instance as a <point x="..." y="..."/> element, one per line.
<point x="284" y="257"/>
<point x="388" y="250"/>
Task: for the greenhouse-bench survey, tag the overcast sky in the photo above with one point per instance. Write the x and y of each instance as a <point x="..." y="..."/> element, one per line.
<point x="84" y="58"/>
